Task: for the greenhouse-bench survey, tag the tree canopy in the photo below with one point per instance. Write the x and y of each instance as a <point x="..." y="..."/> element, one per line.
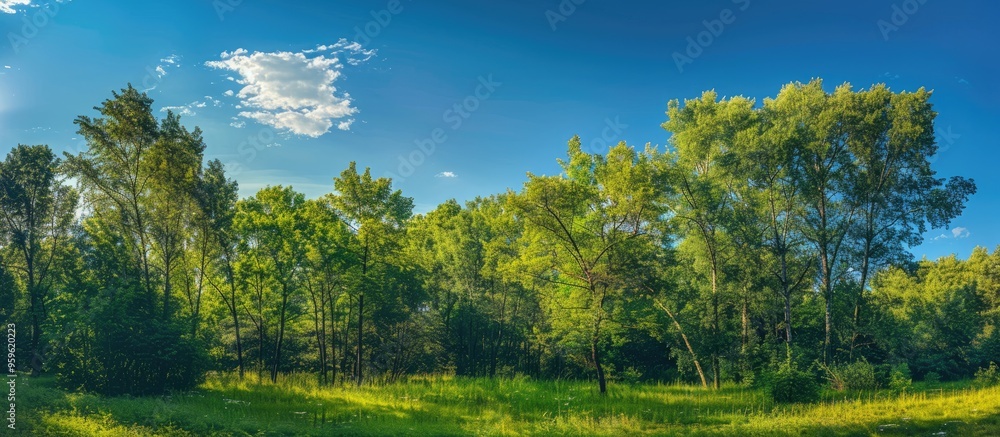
<point x="762" y="235"/>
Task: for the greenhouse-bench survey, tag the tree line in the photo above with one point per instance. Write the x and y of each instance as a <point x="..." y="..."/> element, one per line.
<point x="764" y="234"/>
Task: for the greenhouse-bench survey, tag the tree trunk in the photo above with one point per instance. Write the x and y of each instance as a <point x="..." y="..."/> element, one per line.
<point x="859" y="300"/>
<point x="231" y="277"/>
<point x="333" y="340"/>
<point x="694" y="356"/>
<point x="281" y="337"/>
<point x="788" y="324"/>
<point x="829" y="327"/>
<point x="601" y="381"/>
<point x="36" y="318"/>
<point x="715" y="322"/>
<point x="361" y="318"/>
<point x="239" y="342"/>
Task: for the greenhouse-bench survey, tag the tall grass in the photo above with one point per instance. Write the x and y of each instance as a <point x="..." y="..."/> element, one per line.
<point x="444" y="405"/>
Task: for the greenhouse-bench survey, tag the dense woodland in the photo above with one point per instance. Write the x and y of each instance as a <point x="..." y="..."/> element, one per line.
<point x="764" y="235"/>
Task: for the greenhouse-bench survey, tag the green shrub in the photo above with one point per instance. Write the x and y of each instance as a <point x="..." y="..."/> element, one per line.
<point x="883" y="374"/>
<point x="899" y="378"/>
<point x="932" y="377"/>
<point x="988" y="376"/>
<point x="859" y="375"/>
<point x="790" y="385"/>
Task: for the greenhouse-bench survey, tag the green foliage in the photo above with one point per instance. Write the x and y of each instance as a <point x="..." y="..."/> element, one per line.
<point x="932" y="377"/>
<point x="988" y="376"/>
<point x="764" y="233"/>
<point x="859" y="375"/>
<point x="791" y="385"/>
<point x="900" y="379"/>
<point x="936" y="319"/>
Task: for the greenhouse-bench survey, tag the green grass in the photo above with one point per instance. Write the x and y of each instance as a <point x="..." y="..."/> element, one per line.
<point x="224" y="406"/>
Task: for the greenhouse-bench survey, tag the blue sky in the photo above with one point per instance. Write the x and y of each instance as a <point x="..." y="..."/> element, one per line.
<point x="290" y="92"/>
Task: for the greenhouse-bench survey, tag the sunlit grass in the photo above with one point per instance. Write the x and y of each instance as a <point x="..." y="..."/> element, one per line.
<point x="442" y="405"/>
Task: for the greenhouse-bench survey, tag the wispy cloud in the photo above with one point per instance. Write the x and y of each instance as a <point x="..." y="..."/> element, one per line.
<point x="960" y="232"/>
<point x="162" y="69"/>
<point x="446" y="174"/>
<point x="187" y="110"/>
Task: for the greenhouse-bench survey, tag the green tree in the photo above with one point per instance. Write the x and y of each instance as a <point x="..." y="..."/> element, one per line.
<point x="37" y="211"/>
<point x="577" y="224"/>
<point x="273" y="226"/>
<point x="377" y="216"/>
<point x="138" y="177"/>
<point x="327" y="262"/>
<point x="706" y="134"/>
<point x="892" y="183"/>
<point x="824" y="164"/>
<point x="930" y="318"/>
<point x="217" y="197"/>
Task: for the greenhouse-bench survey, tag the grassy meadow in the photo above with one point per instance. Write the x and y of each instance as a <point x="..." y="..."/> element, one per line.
<point x="431" y="406"/>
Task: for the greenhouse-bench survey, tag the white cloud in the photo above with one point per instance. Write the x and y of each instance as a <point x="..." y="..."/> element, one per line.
<point x="940" y="237"/>
<point x="215" y="102"/>
<point x="960" y="232"/>
<point x="446" y="174"/>
<point x="180" y="110"/>
<point x="294" y="91"/>
<point x="185" y="110"/>
<point x="7" y="6"/>
<point x="7" y="67"/>
<point x="228" y="93"/>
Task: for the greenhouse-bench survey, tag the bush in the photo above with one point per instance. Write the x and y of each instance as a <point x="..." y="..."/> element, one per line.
<point x="859" y="375"/>
<point x="932" y="377"/>
<point x="883" y="374"/>
<point x="988" y="376"/>
<point x="790" y="385"/>
<point x="899" y="378"/>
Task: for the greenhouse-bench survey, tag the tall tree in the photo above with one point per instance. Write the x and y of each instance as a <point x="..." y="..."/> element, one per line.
<point x="327" y="261"/>
<point x="892" y="183"/>
<point x="576" y="225"/>
<point x="707" y="133"/>
<point x="377" y="217"/>
<point x="769" y="163"/>
<point x="824" y="124"/>
<point x="273" y="223"/>
<point x="217" y="197"/>
<point x="37" y="211"/>
<point x="137" y="176"/>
